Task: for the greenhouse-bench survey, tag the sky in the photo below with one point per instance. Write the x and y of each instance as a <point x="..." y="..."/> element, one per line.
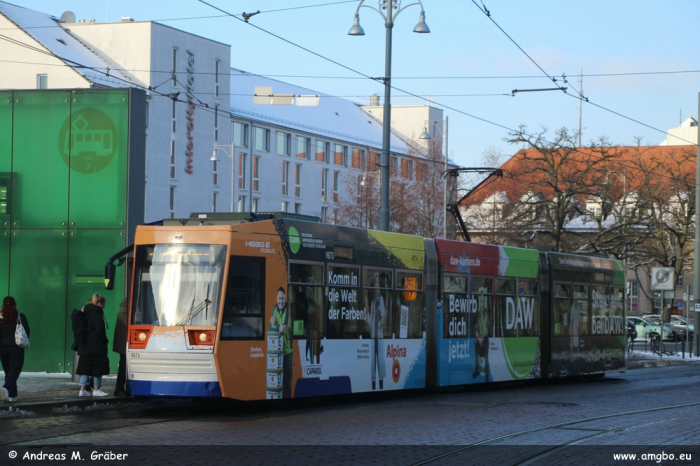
<point x="638" y="59"/>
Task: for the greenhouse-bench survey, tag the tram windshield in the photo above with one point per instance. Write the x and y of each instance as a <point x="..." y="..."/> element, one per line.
<point x="177" y="284"/>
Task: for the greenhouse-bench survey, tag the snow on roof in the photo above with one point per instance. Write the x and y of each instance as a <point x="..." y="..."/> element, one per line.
<point x="46" y="30"/>
<point x="334" y="117"/>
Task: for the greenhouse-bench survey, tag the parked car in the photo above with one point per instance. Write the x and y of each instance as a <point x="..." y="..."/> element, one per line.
<point x="677" y="331"/>
<point x="646" y="328"/>
<point x="683" y="322"/>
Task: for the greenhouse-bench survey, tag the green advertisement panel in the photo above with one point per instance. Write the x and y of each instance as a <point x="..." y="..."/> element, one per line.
<point x="87" y="253"/>
<point x="5" y="131"/>
<point x="40" y="176"/>
<point x="5" y="159"/>
<point x="38" y="282"/>
<point x="4" y="262"/>
<point x="94" y="143"/>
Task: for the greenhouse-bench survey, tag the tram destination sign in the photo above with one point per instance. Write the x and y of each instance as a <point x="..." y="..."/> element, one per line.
<point x="662" y="279"/>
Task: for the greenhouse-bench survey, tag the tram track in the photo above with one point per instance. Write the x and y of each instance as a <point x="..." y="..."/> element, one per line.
<point x="554" y="449"/>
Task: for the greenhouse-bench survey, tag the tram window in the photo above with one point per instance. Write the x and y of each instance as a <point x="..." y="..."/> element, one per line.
<point x="616" y="302"/>
<point x="455" y="283"/>
<point x="345" y="315"/>
<point x="306" y="304"/>
<point x="306" y="273"/>
<point x="505" y="307"/>
<point x="244" y="309"/>
<point x="378" y="303"/>
<point x="480" y="321"/>
<point x="177" y="284"/>
<point x="580" y="312"/>
<point x="600" y="302"/>
<point x="562" y="307"/>
<point x="521" y="318"/>
<point x="409" y="302"/>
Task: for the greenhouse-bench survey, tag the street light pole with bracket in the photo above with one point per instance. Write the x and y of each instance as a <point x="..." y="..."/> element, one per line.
<point x="389" y="10"/>
<point x="231" y="154"/>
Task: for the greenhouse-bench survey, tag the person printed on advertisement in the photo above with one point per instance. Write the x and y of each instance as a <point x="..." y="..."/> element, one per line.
<point x="377" y="319"/>
<point x="481" y="342"/>
<point x="279" y="322"/>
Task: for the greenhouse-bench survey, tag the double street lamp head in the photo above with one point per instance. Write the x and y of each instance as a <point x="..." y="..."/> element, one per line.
<point x="421" y="27"/>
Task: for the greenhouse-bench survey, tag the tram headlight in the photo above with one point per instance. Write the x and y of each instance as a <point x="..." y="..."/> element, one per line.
<point x="142" y="336"/>
<point x="202" y="337"/>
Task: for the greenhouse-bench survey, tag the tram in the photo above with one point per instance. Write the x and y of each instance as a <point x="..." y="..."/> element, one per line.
<point x="285" y="308"/>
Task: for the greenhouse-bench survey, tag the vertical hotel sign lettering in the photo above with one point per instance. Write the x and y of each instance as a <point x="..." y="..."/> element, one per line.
<point x="189" y="151"/>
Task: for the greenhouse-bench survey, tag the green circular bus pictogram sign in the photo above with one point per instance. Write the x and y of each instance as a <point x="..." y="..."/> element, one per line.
<point x="88" y="140"/>
<point x="294" y="240"/>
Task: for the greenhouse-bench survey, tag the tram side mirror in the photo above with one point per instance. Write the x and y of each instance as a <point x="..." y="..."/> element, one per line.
<point x="110" y="272"/>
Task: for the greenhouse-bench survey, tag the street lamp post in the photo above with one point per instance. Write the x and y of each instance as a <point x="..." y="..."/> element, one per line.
<point x="231" y="154"/>
<point x="426" y="135"/>
<point x="388" y="6"/>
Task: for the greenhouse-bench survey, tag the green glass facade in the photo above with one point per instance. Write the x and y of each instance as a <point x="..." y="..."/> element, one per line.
<point x="71" y="178"/>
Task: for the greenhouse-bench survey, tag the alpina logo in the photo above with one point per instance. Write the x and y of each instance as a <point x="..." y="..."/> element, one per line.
<point x="465" y="261"/>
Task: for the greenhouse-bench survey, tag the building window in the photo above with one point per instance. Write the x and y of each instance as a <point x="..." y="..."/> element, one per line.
<point x="633" y="305"/>
<point x="358" y="158"/>
<point x="174" y="80"/>
<point x="303" y="147"/>
<point x="254" y="207"/>
<point x="283" y="143"/>
<point x="322" y="150"/>
<point x="241" y="203"/>
<point x="340" y="156"/>
<point x="297" y="208"/>
<point x="375" y="161"/>
<point x="285" y="206"/>
<point x="172" y="202"/>
<point x="324" y="214"/>
<point x="42" y="81"/>
<point x="242" y="171"/>
<point x="173" y="117"/>
<point x="216" y="123"/>
<point x="240" y="134"/>
<point x="407" y="169"/>
<point x="256" y="173"/>
<point x="172" y="159"/>
<point x="679" y="280"/>
<point x="285" y="178"/>
<point x="216" y="77"/>
<point x="213" y="201"/>
<point x="394" y="166"/>
<point x="336" y="182"/>
<point x="297" y="180"/>
<point x="324" y="185"/>
<point x="261" y="139"/>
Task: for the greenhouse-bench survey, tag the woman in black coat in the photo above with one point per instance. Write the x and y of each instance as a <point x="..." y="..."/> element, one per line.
<point x="94" y="359"/>
<point x="11" y="355"/>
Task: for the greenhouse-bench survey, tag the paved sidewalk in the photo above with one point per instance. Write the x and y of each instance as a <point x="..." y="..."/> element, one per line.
<point x="45" y="392"/>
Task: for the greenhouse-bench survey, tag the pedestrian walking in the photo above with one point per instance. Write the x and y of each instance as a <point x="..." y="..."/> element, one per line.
<point x="119" y="346"/>
<point x="94" y="359"/>
<point x="11" y="355"/>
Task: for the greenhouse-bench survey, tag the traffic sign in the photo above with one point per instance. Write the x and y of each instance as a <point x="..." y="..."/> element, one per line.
<point x="635" y="304"/>
<point x="679" y="305"/>
<point x="662" y="279"/>
<point x="697" y="307"/>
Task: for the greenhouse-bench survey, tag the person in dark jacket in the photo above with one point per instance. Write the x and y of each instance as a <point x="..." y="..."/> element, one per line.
<point x="119" y="346"/>
<point x="94" y="359"/>
<point x="11" y="355"/>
